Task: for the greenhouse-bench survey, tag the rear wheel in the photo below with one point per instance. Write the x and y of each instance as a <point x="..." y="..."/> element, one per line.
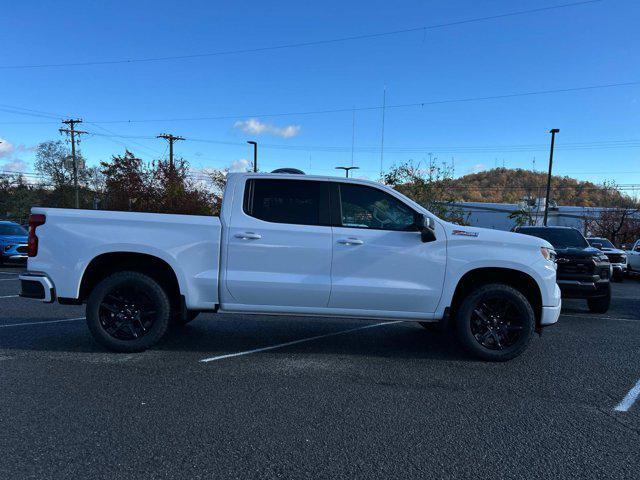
<point x="600" y="304"/>
<point x="495" y="322"/>
<point x="128" y="312"/>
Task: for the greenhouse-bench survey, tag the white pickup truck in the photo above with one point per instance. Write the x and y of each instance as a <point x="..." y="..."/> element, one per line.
<point x="294" y="245"/>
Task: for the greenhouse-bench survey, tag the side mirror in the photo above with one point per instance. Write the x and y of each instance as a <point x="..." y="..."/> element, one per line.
<point x="427" y="227"/>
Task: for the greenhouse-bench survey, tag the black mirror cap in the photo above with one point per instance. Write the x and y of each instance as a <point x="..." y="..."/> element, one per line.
<point x="427" y="226"/>
<point x="427" y="235"/>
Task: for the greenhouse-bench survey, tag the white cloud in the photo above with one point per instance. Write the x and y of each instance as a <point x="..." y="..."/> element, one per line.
<point x="6" y="148"/>
<point x="15" y="165"/>
<point x="478" y="167"/>
<point x="240" y="165"/>
<point x="256" y="127"/>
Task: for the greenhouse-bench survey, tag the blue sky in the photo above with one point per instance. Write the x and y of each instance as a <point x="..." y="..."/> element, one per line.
<point x="585" y="45"/>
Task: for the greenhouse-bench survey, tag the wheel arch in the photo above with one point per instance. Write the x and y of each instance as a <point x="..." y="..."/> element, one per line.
<point x="106" y="264"/>
<point x="521" y="281"/>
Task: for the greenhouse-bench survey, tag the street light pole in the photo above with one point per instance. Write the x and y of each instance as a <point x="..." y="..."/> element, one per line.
<point x="347" y="169"/>
<point x="255" y="154"/>
<point x="553" y="132"/>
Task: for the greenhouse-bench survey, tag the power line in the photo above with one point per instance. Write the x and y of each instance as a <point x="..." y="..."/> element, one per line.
<point x="376" y="107"/>
<point x="360" y="109"/>
<point x="592" y="145"/>
<point x="423" y="29"/>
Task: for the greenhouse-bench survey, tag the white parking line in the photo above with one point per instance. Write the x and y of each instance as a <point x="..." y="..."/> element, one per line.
<point x="294" y="342"/>
<point x="8" y="279"/>
<point x="10" y="296"/>
<point x="42" y="323"/>
<point x="629" y="399"/>
<point x="9" y="273"/>
<point x="586" y="315"/>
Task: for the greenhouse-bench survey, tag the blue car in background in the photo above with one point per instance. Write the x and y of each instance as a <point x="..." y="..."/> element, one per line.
<point x="13" y="242"/>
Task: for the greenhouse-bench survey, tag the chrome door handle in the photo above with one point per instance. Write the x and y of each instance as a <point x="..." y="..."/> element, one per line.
<point x="248" y="236"/>
<point x="351" y="241"/>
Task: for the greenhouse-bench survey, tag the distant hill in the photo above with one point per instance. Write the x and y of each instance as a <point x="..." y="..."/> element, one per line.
<point x="502" y="185"/>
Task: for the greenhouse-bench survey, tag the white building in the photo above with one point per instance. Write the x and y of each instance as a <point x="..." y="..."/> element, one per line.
<point x="496" y="215"/>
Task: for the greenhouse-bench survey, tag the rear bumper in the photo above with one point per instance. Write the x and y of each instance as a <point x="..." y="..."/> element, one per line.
<point x="37" y="286"/>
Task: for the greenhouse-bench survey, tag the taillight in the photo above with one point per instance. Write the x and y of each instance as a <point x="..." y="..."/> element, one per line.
<point x="35" y="220"/>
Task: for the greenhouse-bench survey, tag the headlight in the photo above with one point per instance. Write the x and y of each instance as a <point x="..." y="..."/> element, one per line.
<point x="548" y="254"/>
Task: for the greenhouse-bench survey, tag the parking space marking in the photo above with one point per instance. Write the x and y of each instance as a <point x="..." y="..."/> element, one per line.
<point x="9" y="273"/>
<point x="586" y="315"/>
<point x="8" y="279"/>
<point x="628" y="401"/>
<point x="9" y="296"/>
<point x="42" y="323"/>
<point x="294" y="342"/>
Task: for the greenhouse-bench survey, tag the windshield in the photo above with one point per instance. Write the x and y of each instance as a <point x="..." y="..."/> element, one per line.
<point x="558" y="237"/>
<point x="9" y="229"/>
<point x="603" y="241"/>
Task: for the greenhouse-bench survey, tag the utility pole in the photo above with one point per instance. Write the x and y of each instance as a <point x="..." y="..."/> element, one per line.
<point x="384" y="108"/>
<point x="72" y="133"/>
<point x="255" y="154"/>
<point x="553" y="132"/>
<point x="347" y="169"/>
<point x="353" y="133"/>
<point x="171" y="139"/>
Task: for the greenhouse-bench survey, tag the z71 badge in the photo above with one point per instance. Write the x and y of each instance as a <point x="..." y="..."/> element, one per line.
<point x="464" y="233"/>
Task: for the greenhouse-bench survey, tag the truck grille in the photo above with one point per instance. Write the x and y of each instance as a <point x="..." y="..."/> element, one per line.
<point x="576" y="267"/>
<point x="615" y="257"/>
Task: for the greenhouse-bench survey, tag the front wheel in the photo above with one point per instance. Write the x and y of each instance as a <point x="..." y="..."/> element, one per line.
<point x="600" y="304"/>
<point x="128" y="312"/>
<point x="495" y="322"/>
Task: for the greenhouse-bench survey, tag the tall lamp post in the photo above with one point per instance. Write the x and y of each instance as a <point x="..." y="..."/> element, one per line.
<point x="553" y="132"/>
<point x="255" y="154"/>
<point x="347" y="170"/>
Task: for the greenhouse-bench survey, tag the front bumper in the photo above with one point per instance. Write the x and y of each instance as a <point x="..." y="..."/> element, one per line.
<point x="38" y="286"/>
<point x="619" y="267"/>
<point x="550" y="315"/>
<point x="583" y="289"/>
<point x="16" y="252"/>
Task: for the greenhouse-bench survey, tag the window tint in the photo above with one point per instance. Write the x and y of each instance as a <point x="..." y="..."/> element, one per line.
<point x="287" y="201"/>
<point x="366" y="207"/>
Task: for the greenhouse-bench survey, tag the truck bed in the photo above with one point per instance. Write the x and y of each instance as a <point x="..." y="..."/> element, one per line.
<point x="71" y="239"/>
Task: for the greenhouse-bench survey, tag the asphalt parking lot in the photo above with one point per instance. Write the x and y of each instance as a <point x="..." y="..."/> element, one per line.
<point x="309" y="398"/>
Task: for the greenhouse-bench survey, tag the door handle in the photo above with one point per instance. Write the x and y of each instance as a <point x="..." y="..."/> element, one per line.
<point x="351" y="241"/>
<point x="248" y="236"/>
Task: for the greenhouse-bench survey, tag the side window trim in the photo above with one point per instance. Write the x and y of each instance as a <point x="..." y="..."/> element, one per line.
<point x="336" y="207"/>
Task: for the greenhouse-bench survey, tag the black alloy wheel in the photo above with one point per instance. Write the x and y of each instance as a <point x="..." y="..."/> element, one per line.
<point x="128" y="312"/>
<point x="495" y="322"/>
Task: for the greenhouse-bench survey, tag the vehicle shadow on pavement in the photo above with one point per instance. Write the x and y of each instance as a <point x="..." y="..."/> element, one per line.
<point x="214" y="335"/>
<point x="402" y="340"/>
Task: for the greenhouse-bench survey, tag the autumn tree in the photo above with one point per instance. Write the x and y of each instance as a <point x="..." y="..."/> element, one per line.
<point x="430" y="187"/>
<point x="126" y="183"/>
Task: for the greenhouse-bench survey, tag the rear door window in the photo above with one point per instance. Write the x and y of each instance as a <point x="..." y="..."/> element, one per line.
<point x="299" y="202"/>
